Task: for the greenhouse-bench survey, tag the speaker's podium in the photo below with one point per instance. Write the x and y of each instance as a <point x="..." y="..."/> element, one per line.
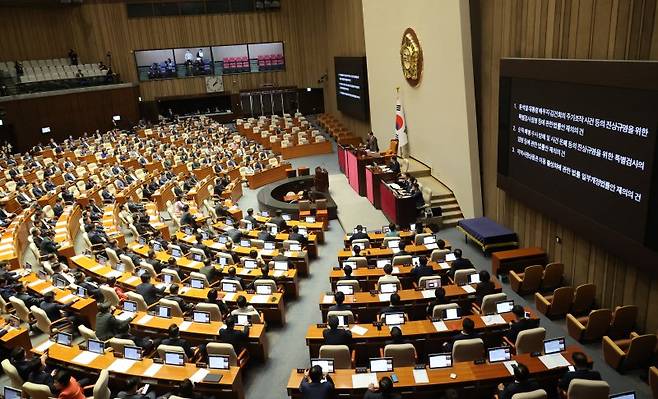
<point x="353" y="162"/>
<point x="398" y="206"/>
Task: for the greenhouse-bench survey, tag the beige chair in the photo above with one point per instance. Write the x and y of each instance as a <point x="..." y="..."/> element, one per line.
<point x="117" y="344"/>
<point x="363" y="243"/>
<point x="401" y="260"/>
<point x="86" y="332"/>
<point x="37" y="391"/>
<point x="653" y="380"/>
<point x="583" y="299"/>
<point x="418" y="240"/>
<point x="580" y="389"/>
<point x="48" y="326"/>
<point x="461" y="276"/>
<point x="536" y="394"/>
<point x="556" y="305"/>
<point x="361" y="261"/>
<point x="389" y="239"/>
<point x="4" y="306"/>
<point x="142" y="306"/>
<point x="176" y="311"/>
<point x="628" y="354"/>
<point x="380" y="282"/>
<point x="170" y="348"/>
<point x="343" y="359"/>
<point x="215" y="313"/>
<point x="468" y="350"/>
<point x="404" y="355"/>
<point x="354" y="283"/>
<point x="260" y="244"/>
<point x="101" y="389"/>
<point x="150" y="269"/>
<point x="200" y="252"/>
<point x="112" y="257"/>
<point x="175" y="278"/>
<point x="439" y="255"/>
<point x="14" y="378"/>
<point x="216" y="348"/>
<point x="623" y="321"/>
<point x="552" y="276"/>
<point x="266" y="282"/>
<point x="287" y="243"/>
<point x="422" y="282"/>
<point x="229" y="281"/>
<point x="350" y="316"/>
<point x="128" y="264"/>
<point x="22" y="312"/>
<point x="527" y="282"/>
<point x="200" y="276"/>
<point x="589" y="328"/>
<point x="489" y="303"/>
<point x="109" y="295"/>
<point x="438" y="310"/>
<point x="530" y="341"/>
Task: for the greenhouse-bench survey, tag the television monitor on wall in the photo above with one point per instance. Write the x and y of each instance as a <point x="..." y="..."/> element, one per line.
<point x="231" y="59"/>
<point x="352" y="87"/>
<point x="265" y="57"/>
<point x="577" y="141"/>
<point x="193" y="61"/>
<point x="155" y="64"/>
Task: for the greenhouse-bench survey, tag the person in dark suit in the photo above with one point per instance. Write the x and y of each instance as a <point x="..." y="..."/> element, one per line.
<point x="339" y="298"/>
<point x="384" y="391"/>
<point x="28" y="299"/>
<point x="520" y="324"/>
<point x="213" y="298"/>
<point x="396" y="337"/>
<point x="522" y="383"/>
<point x="237" y="338"/>
<point x="459" y="263"/>
<point x="153" y="261"/>
<point x="187" y="218"/>
<point x="371" y="143"/>
<point x="279" y="221"/>
<point x="23" y="365"/>
<point x="422" y="269"/>
<point x="583" y="371"/>
<point x="347" y="269"/>
<point x="336" y="336"/>
<point x="123" y="332"/>
<point x="312" y="386"/>
<point x="467" y="332"/>
<point x="174" y="339"/>
<point x="359" y="235"/>
<point x="394" y="305"/>
<point x="210" y="271"/>
<point x="296" y="236"/>
<point x="265" y="235"/>
<point x="148" y="290"/>
<point x="173" y="296"/>
<point x="133" y="390"/>
<point x="250" y="217"/>
<point x="484" y="287"/>
<point x="200" y="245"/>
<point x="106" y="324"/>
<point x="232" y="275"/>
<point x="53" y="310"/>
<point x="58" y="208"/>
<point x="107" y="196"/>
<point x="394" y="165"/>
<point x="48" y="246"/>
<point x="235" y="235"/>
<point x="439" y="299"/>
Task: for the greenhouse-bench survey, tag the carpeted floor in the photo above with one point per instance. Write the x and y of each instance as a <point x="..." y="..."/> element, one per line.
<point x="352" y="208"/>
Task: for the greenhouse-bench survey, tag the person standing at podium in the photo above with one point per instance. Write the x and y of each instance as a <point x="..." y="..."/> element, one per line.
<point x="372" y="143"/>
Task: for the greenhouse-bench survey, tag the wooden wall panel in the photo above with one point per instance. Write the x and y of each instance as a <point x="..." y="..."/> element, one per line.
<point x="601" y="29"/>
<point x="345" y="38"/>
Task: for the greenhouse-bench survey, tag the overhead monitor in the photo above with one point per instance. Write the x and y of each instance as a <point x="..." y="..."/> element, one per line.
<point x="352" y="87"/>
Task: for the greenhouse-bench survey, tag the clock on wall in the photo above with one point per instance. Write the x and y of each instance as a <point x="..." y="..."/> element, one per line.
<point x="214" y="84"/>
<point x="411" y="57"/>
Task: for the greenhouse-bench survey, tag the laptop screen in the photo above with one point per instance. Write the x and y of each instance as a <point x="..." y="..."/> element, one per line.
<point x="286" y="217"/>
<point x="229" y="287"/>
<point x="201" y="317"/>
<point x="394" y="319"/>
<point x="350" y="263"/>
<point x="383" y="262"/>
<point x="440" y="360"/>
<point x="385" y="229"/>
<point x="433" y="283"/>
<point x="274" y="230"/>
<point x="295" y="247"/>
<point x="343" y="320"/>
<point x="81" y="291"/>
<point x="310" y="219"/>
<point x="345" y="289"/>
<point x="280" y="265"/>
<point x="223" y="261"/>
<point x="245" y="243"/>
<point x="174" y="358"/>
<point x="501" y="354"/>
<point x="381" y="364"/>
<point x="624" y="395"/>
<point x="157" y="247"/>
<point x="554" y="345"/>
<point x="243" y="320"/>
<point x="167" y="278"/>
<point x="473" y="278"/>
<point x="415" y="261"/>
<point x="60" y="282"/>
<point x="269" y="245"/>
<point x="327" y="365"/>
<point x="95" y="346"/>
<point x="197" y="257"/>
<point x="263" y="290"/>
<point x="394" y="243"/>
<point x="223" y="239"/>
<point x="64" y="338"/>
<point x="429" y="240"/>
<point x="265" y="213"/>
<point x="130" y="306"/>
<point x="176" y="252"/>
<point x="504" y="306"/>
<point x="451" y="314"/>
<point x="132" y="352"/>
<point x="196" y="283"/>
<point x="164" y="311"/>
<point x="12" y="393"/>
<point x="250" y="264"/>
<point x="388" y="288"/>
<point x="218" y="362"/>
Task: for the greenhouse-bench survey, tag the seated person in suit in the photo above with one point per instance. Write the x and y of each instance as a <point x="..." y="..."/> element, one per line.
<point x="210" y="271"/>
<point x="520" y="324"/>
<point x="42" y="374"/>
<point x="264" y="235"/>
<point x="213" y="298"/>
<point x="339" y="298"/>
<point x="459" y="263"/>
<point x="396" y="337"/>
<point x="388" y="276"/>
<point x="312" y="386"/>
<point x="484" y="287"/>
<point x="467" y="332"/>
<point x="244" y="308"/>
<point x="583" y="371"/>
<point x="112" y="283"/>
<point x="359" y="235"/>
<point x="394" y="306"/>
<point x="423" y="269"/>
<point x="187" y="218"/>
<point x="186" y="390"/>
<point x="384" y="391"/>
<point x="237" y="338"/>
<point x="133" y="390"/>
<point x="54" y="310"/>
<point x="347" y="269"/>
<point x="522" y="383"/>
<point x="392" y="231"/>
<point x="106" y="324"/>
<point x="394" y="165"/>
<point x="250" y="217"/>
<point x="336" y="336"/>
<point x="173" y="296"/>
<point x="152" y="260"/>
<point x="28" y="299"/>
<point x="23" y="365"/>
<point x="296" y="236"/>
<point x="149" y="291"/>
<point x="174" y="339"/>
<point x="87" y="283"/>
<point x="123" y="332"/>
<point x="200" y="245"/>
<point x="232" y="275"/>
<point x="279" y="221"/>
<point x="439" y="299"/>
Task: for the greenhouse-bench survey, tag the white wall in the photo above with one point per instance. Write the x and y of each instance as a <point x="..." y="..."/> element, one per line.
<point x="440" y="112"/>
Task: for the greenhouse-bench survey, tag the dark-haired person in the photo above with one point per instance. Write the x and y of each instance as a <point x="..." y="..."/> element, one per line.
<point x="134" y="390"/>
<point x="107" y="326"/>
<point x="147" y="290"/>
<point x="423" y="269"/>
<point x="582" y="371"/>
<point x="339" y="298"/>
<point x="297" y="236"/>
<point x="384" y="391"/>
<point x="392" y="231"/>
<point x="173" y="296"/>
<point x="394" y="306"/>
<point x="484" y="287"/>
<point x="174" y="339"/>
<point x="439" y="299"/>
<point x="359" y="235"/>
<point x="334" y="335"/>
<point x="459" y="263"/>
<point x="520" y="324"/>
<point x="312" y="386"/>
<point x="388" y="276"/>
<point x="67" y="385"/>
<point x="237" y="338"/>
<point x="279" y="221"/>
<point x="347" y="269"/>
<point x="522" y="383"/>
<point x="244" y="308"/>
<point x="467" y="332"/>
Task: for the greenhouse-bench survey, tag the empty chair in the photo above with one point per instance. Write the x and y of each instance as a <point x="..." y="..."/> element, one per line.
<point x="237" y="284"/>
<point x="176" y="311"/>
<point x="109" y="295"/>
<point x="552" y="276"/>
<point x="14" y="377"/>
<point x="343" y="359"/>
<point x="304" y="208"/>
<point x="200" y="276"/>
<point x="22" y="312"/>
<point x="530" y="341"/>
<point x="527" y="282"/>
<point x="439" y="255"/>
<point x="151" y="271"/>
<point x="173" y="274"/>
<point x="461" y="276"/>
<point x="468" y="350"/>
<point x="267" y="283"/>
<point x="112" y="257"/>
<point x="215" y="313"/>
<point x="128" y="264"/>
<point x="579" y="388"/>
<point x="439" y="310"/>
<point x="623" y="321"/>
<point x="489" y="303"/>
<point x="101" y="389"/>
<point x="589" y="328"/>
<point x="418" y="240"/>
<point x="200" y="252"/>
<point x="36" y="391"/>
<point x="348" y="313"/>
<point x="628" y="354"/>
<point x="234" y="360"/>
<point x="87" y="333"/>
<point x="363" y="243"/>
<point x="361" y="261"/>
<point x="404" y="355"/>
<point x="401" y="260"/>
<point x="356" y="287"/>
<point x="583" y="299"/>
<point x="422" y="282"/>
<point x="556" y="305"/>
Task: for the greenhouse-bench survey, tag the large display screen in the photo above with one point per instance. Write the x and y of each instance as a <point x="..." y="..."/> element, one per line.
<point x="578" y="141"/>
<point x="352" y="86"/>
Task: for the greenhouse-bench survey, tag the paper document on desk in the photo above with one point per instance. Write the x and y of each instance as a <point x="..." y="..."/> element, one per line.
<point x="125" y="316"/>
<point x="47" y="290"/>
<point x="396" y="270"/>
<point x="85" y="357"/>
<point x="35" y="283"/>
<point x="114" y="273"/>
<point x="444" y="265"/>
<point x="363" y="380"/>
<point x="67" y="298"/>
<point x="432" y="246"/>
<point x="96" y="268"/>
<point x="145" y="319"/>
<point x="384" y="297"/>
<point x="493" y="319"/>
<point x="184" y="326"/>
<point x="508" y="365"/>
<point x="121" y="365"/>
<point x="328" y="299"/>
<point x="132" y="280"/>
<point x="358" y="330"/>
<point x="395" y="186"/>
<point x="199" y="375"/>
<point x="229" y="296"/>
<point x="440" y="326"/>
<point x="428" y="294"/>
<point x="421" y="377"/>
<point x="450" y="257"/>
<point x="259" y="298"/>
<point x="554" y="360"/>
<point x="152" y="370"/>
<point x="468" y="288"/>
<point x="42" y="348"/>
<point x="279" y="273"/>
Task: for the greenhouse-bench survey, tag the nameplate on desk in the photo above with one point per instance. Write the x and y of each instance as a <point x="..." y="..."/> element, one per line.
<point x="67" y="298"/>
